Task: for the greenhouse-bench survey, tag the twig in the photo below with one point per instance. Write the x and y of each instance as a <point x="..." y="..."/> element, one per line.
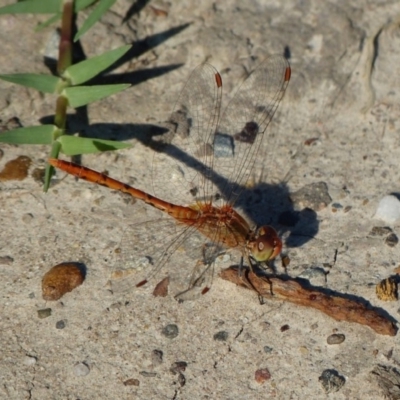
<point x="337" y="306"/>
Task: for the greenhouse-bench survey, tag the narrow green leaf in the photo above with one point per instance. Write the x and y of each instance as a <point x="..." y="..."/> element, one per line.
<point x="42" y="6"/>
<point x="81" y="4"/>
<point x="43" y="83"/>
<point x="73" y="145"/>
<point x="33" y="7"/>
<point x="43" y="134"/>
<point x="81" y="95"/>
<point x="55" y="151"/>
<point x="48" y="22"/>
<point x="85" y="70"/>
<point x="96" y="14"/>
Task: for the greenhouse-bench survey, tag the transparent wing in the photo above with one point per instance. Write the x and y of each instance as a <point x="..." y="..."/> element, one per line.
<point x="201" y="157"/>
<point x="152" y="250"/>
<point x="185" y="153"/>
<point x="245" y="121"/>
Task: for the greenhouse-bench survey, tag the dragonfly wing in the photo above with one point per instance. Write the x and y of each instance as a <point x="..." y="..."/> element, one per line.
<point x="202" y="276"/>
<point x="152" y="250"/>
<point x="244" y="122"/>
<point x="185" y="153"/>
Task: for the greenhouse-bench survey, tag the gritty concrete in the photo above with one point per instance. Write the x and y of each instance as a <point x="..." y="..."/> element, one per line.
<point x="338" y="124"/>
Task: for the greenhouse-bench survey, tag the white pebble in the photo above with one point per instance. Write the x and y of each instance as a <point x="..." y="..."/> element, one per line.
<point x="81" y="369"/>
<point x="388" y="209"/>
<point x="30" y="360"/>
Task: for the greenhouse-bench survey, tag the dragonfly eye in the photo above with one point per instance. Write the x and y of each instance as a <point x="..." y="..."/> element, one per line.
<point x="267" y="244"/>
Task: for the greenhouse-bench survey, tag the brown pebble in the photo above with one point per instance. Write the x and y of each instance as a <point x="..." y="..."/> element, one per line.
<point x="392" y="240"/>
<point x="336" y="338"/>
<point x="161" y="289"/>
<point x="285" y="261"/>
<point x="16" y="170"/>
<point x="44" y="313"/>
<point x="132" y="382"/>
<point x="262" y="375"/>
<point x="386" y="289"/>
<point x="62" y="279"/>
<point x="285" y="328"/>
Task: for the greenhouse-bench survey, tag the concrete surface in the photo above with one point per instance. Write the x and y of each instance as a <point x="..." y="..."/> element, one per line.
<point x="344" y="92"/>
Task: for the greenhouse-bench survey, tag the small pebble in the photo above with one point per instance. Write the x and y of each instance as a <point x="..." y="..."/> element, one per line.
<point x="170" y="331"/>
<point x="331" y="381"/>
<point x="392" y="240"/>
<point x="336" y="207"/>
<point x="81" y="369"/>
<point x="62" y="279"/>
<point x="313" y="273"/>
<point x="132" y="382"/>
<point x="268" y="349"/>
<point x="10" y="124"/>
<point x="336" y="338"/>
<point x="30" y="360"/>
<point x="388" y="209"/>
<point x="380" y="231"/>
<point x="180" y="122"/>
<point x="304" y="350"/>
<point x="156" y="357"/>
<point x="285" y="261"/>
<point x="314" y="196"/>
<point x="44" y="313"/>
<point x="387" y="289"/>
<point x="52" y="46"/>
<point x="262" y="375"/>
<point x="223" y="145"/>
<point x="221" y="336"/>
<point x="249" y="133"/>
<point x="181" y="380"/>
<point x="285" y="328"/>
<point x="60" y="324"/>
<point x="388" y="379"/>
<point x="27" y="218"/>
<point x="6" y="260"/>
<point x="16" y="169"/>
<point x="161" y="289"/>
<point x="38" y="174"/>
<point x="148" y="374"/>
<point x="178" y="366"/>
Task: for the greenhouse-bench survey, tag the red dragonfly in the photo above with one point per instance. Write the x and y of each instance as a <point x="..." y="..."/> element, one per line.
<point x="212" y="158"/>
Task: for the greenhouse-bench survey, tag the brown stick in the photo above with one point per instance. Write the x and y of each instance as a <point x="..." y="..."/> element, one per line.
<point x="337" y="306"/>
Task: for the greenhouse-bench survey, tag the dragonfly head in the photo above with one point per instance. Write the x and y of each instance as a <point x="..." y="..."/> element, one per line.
<point x="266" y="244"/>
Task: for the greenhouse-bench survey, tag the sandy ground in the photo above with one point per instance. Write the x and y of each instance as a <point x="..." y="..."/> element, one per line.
<point x="97" y="345"/>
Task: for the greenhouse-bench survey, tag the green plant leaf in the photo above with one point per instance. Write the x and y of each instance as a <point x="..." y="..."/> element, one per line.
<point x="81" y="4"/>
<point x="81" y="95"/>
<point x="43" y="134"/>
<point x="42" y="6"/>
<point x="33" y="7"/>
<point x="73" y="145"/>
<point x="85" y="70"/>
<point x="43" y="83"/>
<point x="95" y="16"/>
<point x="48" y="22"/>
<point x="55" y="151"/>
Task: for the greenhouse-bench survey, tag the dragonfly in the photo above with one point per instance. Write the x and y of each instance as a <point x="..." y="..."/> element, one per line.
<point x="211" y="155"/>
